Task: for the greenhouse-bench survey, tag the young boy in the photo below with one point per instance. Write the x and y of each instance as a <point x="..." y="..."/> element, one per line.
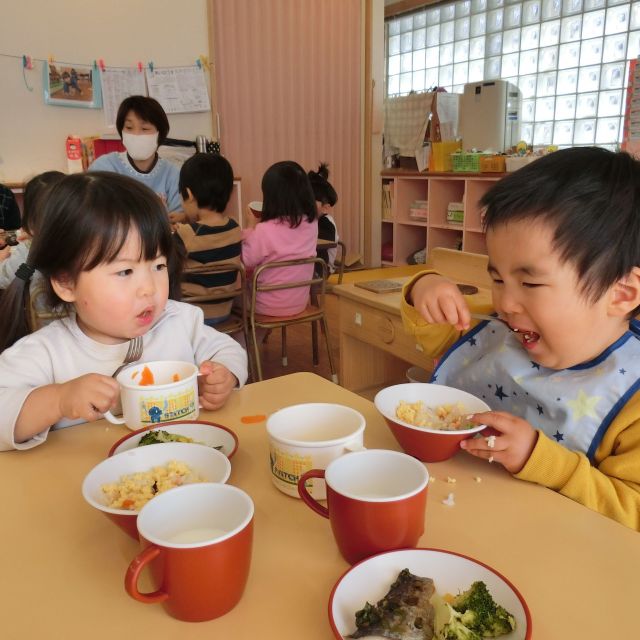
<point x="209" y="237"/>
<point x="562" y="377"/>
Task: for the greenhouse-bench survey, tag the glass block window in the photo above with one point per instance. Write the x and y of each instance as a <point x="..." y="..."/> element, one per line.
<point x="568" y="57"/>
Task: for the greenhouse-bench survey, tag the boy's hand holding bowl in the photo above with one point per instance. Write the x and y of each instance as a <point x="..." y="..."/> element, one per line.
<point x="429" y="444"/>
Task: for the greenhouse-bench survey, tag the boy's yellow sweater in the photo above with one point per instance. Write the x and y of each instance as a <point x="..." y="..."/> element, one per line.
<point x="610" y="486"/>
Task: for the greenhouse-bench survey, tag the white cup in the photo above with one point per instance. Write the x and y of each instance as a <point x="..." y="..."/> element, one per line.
<point x="164" y="401"/>
<point x="309" y="436"/>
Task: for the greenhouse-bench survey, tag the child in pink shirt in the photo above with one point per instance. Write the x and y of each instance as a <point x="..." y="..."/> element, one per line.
<point x="287" y="230"/>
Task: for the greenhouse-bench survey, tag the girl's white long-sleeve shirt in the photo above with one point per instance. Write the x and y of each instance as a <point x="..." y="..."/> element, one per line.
<point x="61" y="352"/>
<point x="8" y="267"/>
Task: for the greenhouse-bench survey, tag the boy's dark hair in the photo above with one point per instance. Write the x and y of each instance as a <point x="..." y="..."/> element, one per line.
<point x="591" y="199"/>
<point x="287" y="194"/>
<point x="322" y="189"/>
<point x="35" y="193"/>
<point x="147" y="109"/>
<point x="85" y="222"/>
<point x="210" y="178"/>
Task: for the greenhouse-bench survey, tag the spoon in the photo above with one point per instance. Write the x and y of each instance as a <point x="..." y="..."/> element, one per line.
<point x="484" y="316"/>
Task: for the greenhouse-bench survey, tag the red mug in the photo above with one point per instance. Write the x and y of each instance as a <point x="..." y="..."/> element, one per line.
<point x="197" y="540"/>
<point x="376" y="501"/>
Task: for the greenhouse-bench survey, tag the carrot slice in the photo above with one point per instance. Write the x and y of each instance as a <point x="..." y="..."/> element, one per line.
<point x="253" y="419"/>
<point x="146" y="378"/>
<point x="175" y="377"/>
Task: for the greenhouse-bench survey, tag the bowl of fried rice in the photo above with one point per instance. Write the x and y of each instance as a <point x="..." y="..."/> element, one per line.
<point x="122" y="484"/>
<point x="429" y="420"/>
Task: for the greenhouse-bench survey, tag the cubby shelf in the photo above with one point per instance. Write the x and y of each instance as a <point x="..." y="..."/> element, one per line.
<point x="403" y="187"/>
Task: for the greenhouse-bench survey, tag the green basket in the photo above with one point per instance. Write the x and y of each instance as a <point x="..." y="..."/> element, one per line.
<point x="466" y="162"/>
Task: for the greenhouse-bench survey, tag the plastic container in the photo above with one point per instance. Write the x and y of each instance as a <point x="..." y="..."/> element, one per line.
<point x="440" y="159"/>
<point x="513" y="163"/>
<point x="74" y="154"/>
<point x="466" y="162"/>
<point x="492" y="164"/>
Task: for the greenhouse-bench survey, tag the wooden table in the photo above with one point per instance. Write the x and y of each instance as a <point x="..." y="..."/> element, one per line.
<point x="63" y="564"/>
<point x="375" y="350"/>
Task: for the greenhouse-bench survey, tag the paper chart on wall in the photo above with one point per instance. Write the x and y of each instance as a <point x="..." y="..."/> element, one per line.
<point x="179" y="89"/>
<point x="118" y="84"/>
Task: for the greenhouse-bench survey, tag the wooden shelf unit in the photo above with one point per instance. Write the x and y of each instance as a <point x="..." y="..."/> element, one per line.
<point x="439" y="189"/>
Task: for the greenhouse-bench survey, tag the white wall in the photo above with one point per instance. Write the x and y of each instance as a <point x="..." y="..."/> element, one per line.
<point x="32" y="134"/>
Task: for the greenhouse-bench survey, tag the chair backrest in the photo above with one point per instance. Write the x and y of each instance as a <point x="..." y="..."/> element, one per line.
<point x="39" y="313"/>
<point x="317" y="280"/>
<point x="212" y="296"/>
<point x="463" y="266"/>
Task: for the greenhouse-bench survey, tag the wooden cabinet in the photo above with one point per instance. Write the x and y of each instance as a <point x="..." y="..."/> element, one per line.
<point x="401" y="189"/>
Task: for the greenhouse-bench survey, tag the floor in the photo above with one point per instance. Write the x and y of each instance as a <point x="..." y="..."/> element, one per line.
<point x="299" y="347"/>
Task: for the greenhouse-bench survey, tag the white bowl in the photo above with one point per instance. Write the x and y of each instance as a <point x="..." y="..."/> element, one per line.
<point x="206" y="462"/>
<point x="370" y="580"/>
<point x="202" y="432"/>
<point x="256" y="208"/>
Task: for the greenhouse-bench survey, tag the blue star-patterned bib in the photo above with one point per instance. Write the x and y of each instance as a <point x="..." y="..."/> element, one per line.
<point x="575" y="406"/>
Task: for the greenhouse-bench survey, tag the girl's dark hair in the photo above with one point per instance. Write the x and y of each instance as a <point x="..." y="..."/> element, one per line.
<point x="209" y="176"/>
<point x="591" y="199"/>
<point x="35" y="193"/>
<point x="85" y="222"/>
<point x="287" y="194"/>
<point x="147" y="109"/>
<point x="322" y="189"/>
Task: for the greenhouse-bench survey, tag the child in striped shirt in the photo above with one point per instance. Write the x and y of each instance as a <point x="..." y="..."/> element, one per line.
<point x="209" y="236"/>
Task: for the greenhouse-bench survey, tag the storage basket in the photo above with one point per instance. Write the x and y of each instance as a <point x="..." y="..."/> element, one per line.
<point x="492" y="164"/>
<point x="513" y="163"/>
<point x="466" y="162"/>
<point x="440" y="159"/>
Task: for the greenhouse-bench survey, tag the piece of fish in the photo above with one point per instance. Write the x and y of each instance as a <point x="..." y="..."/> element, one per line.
<point x="405" y="613"/>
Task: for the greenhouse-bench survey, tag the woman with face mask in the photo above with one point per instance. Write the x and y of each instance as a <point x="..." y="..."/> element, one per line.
<point x="143" y="126"/>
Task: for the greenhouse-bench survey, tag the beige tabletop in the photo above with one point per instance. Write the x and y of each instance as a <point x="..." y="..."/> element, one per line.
<point x="62" y="563"/>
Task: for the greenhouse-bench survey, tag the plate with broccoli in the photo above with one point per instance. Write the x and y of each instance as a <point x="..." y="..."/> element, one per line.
<point x="198" y="432"/>
<point x="427" y="594"/>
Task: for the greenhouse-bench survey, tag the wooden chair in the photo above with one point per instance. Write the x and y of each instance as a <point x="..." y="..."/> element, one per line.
<point x="332" y="244"/>
<point x="313" y="314"/>
<point x="461" y="266"/>
<point x="238" y="321"/>
<point x="39" y="313"/>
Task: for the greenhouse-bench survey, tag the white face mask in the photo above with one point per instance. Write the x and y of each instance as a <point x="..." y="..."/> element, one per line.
<point x="140" y="147"/>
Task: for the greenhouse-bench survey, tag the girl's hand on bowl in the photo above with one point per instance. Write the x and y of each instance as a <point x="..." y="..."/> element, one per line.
<point x="511" y="447"/>
<point x="215" y="384"/>
<point x="87" y="397"/>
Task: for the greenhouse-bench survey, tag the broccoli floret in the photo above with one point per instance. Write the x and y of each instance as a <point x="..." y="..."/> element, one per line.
<point x="480" y="613"/>
<point x="456" y="630"/>
<point x="158" y="437"/>
<point x="448" y="624"/>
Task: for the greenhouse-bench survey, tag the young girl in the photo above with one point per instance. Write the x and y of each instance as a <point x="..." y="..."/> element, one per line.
<point x="34" y="194"/>
<point x="103" y="247"/>
<point x="326" y="198"/>
<point x="287" y="230"/>
<point x="143" y="126"/>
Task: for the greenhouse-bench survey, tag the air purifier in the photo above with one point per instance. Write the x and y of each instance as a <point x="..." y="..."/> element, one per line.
<point x="490" y="116"/>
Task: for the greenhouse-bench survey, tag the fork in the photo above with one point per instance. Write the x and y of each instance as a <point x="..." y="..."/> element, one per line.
<point x="134" y="353"/>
